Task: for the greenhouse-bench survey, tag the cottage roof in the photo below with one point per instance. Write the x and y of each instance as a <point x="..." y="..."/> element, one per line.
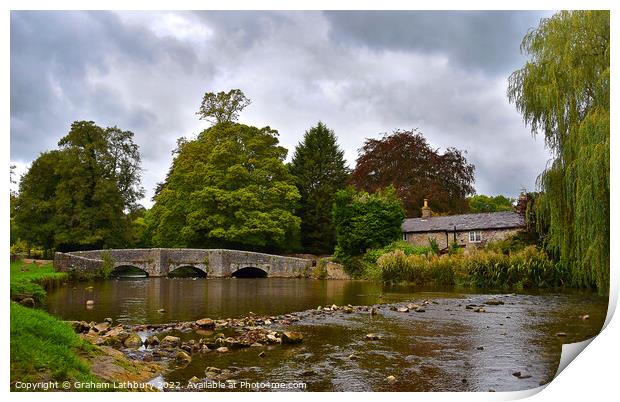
<point x="489" y="220"/>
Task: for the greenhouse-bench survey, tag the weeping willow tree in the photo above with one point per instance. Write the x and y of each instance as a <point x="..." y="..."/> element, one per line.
<point x="563" y="93"/>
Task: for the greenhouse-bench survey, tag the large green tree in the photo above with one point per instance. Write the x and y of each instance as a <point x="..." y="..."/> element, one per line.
<point x="485" y="203"/>
<point x="78" y="196"/>
<point x="227" y="188"/>
<point x="320" y="170"/>
<point x="365" y="221"/>
<point x="563" y="93"/>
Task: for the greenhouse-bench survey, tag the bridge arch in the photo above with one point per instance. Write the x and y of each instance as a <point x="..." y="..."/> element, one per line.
<point x="249" y="272"/>
<point x="187" y="271"/>
<point x="129" y="271"/>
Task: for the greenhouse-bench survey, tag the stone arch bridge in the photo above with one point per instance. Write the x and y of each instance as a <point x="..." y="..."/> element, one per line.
<point x="216" y="263"/>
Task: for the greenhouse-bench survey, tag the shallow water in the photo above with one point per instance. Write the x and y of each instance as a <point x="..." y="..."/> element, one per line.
<point x="445" y="348"/>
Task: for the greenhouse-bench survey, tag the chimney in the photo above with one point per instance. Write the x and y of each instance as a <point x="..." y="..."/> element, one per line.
<point x="426" y="210"/>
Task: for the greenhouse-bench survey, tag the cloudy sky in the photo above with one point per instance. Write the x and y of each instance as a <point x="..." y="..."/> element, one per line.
<point x="361" y="73"/>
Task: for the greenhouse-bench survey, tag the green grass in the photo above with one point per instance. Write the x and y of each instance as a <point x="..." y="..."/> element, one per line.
<point x="44" y="348"/>
<point x="31" y="280"/>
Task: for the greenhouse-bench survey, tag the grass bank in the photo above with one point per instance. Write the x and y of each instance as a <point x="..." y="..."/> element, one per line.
<point x="30" y="280"/>
<point x="44" y="348"/>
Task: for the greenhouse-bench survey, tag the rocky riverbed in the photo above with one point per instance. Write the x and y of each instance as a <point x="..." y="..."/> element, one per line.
<point x="480" y="342"/>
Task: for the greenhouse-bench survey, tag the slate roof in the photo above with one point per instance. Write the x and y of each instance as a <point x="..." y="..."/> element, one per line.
<point x="489" y="220"/>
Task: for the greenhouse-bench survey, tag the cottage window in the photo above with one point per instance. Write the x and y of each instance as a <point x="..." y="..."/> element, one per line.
<point x="475" y="236"/>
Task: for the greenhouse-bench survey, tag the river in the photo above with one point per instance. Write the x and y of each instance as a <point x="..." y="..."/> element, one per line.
<point x="449" y="347"/>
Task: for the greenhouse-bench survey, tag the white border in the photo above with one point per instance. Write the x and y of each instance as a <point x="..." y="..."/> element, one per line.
<point x="592" y="375"/>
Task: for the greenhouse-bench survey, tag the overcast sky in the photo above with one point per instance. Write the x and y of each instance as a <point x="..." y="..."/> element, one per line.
<point x="361" y="73"/>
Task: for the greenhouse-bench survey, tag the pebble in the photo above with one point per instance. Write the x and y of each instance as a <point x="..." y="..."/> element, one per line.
<point x="391" y="379"/>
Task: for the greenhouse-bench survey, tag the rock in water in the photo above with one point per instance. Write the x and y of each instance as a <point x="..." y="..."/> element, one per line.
<point x="206" y="323"/>
<point x="222" y="349"/>
<point x="151" y="341"/>
<point x="102" y="327"/>
<point x="133" y="341"/>
<point x="420" y="310"/>
<point x="403" y="310"/>
<point x="494" y="302"/>
<point x="373" y="337"/>
<point x="561" y="334"/>
<point x="90" y="302"/>
<point x="170" y="341"/>
<point x="391" y="379"/>
<point x="292" y="337"/>
<point x="182" y="357"/>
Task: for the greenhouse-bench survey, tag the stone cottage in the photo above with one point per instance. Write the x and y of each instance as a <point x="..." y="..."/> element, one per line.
<point x="467" y="230"/>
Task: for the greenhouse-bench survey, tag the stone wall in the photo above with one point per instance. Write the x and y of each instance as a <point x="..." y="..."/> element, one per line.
<point x="462" y="237"/>
<point x="160" y="262"/>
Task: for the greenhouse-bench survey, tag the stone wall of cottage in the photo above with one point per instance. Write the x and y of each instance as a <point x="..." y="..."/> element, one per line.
<point x="462" y="237"/>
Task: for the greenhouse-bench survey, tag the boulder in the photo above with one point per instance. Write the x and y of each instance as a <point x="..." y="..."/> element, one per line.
<point x="116" y="331"/>
<point x="292" y="337"/>
<point x="206" y="323"/>
<point x="133" y="341"/>
<point x="182" y="357"/>
<point x="102" y="327"/>
<point x="170" y="341"/>
<point x="27" y="302"/>
<point x="273" y="339"/>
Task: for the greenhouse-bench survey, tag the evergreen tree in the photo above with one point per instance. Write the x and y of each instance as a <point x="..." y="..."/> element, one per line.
<point x="320" y="171"/>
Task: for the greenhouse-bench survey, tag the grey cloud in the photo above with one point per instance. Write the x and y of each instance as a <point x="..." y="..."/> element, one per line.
<point x="361" y="73"/>
<point x="486" y="40"/>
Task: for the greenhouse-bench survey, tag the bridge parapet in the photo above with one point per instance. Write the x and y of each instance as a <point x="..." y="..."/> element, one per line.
<point x="162" y="261"/>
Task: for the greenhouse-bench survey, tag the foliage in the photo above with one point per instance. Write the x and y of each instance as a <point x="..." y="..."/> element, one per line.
<point x="107" y="266"/>
<point x="45" y="347"/>
<point x="563" y="92"/>
<point x="227" y="188"/>
<point x="526" y="268"/>
<point x="320" y="170"/>
<point x="364" y="221"/>
<point x="485" y="203"/>
<point x="222" y="107"/>
<point x="433" y="245"/>
<point x="373" y="255"/>
<point x="405" y="160"/>
<point x="31" y="280"/>
<point x="75" y="197"/>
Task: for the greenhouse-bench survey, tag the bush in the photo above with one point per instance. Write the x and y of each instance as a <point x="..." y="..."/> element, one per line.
<point x="373" y="255"/>
<point x="527" y="268"/>
<point x="105" y="272"/>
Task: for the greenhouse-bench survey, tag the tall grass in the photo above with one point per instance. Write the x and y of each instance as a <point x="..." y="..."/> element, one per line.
<point x="526" y="268"/>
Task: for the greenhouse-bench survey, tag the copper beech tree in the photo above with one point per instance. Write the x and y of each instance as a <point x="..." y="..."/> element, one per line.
<point x="406" y="161"/>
